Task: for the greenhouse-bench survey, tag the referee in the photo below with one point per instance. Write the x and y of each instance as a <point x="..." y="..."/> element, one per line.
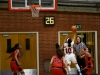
<point x="80" y="61"/>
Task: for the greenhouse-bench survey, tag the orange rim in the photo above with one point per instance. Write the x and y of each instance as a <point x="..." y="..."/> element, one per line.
<point x="34" y="6"/>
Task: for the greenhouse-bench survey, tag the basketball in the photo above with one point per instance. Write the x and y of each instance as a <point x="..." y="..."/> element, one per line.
<point x="73" y="28"/>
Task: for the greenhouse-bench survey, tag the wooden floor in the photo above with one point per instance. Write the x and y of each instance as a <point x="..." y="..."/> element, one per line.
<point x="27" y="72"/>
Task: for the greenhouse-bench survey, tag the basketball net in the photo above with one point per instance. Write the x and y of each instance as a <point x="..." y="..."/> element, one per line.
<point x="35" y="10"/>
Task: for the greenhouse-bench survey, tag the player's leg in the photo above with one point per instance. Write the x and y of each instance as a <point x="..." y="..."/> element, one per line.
<point x="83" y="64"/>
<point x="68" y="73"/>
<point x="84" y="71"/>
<point x="21" y="71"/>
<point x="67" y="60"/>
<point x="79" y="61"/>
<point x="69" y="68"/>
<point x="89" y="70"/>
<point x="15" y="73"/>
<point x="73" y="59"/>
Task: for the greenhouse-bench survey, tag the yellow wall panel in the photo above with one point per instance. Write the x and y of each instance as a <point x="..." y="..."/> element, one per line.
<point x="29" y="58"/>
<point x="5" y="63"/>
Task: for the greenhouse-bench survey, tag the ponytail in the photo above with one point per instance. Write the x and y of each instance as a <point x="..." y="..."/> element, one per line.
<point x="59" y="53"/>
<point x="10" y="50"/>
<point x="57" y="46"/>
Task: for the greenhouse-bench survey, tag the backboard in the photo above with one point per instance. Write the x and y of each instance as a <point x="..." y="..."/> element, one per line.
<point x="23" y="5"/>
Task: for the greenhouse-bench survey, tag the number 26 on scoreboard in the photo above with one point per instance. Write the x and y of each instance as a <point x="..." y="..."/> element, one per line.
<point x="49" y="20"/>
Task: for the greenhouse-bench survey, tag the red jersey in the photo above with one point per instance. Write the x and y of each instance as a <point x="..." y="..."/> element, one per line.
<point x="15" y="67"/>
<point x="57" y="62"/>
<point x="88" y="61"/>
<point x="89" y="66"/>
<point x="13" y="55"/>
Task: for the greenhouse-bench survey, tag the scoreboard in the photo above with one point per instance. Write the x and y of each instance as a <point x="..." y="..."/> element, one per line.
<point x="49" y="20"/>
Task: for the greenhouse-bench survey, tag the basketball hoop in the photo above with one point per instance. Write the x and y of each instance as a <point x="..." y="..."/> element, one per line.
<point x="35" y="10"/>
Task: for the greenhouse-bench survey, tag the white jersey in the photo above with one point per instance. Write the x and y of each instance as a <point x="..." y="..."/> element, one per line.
<point x="69" y="55"/>
<point x="68" y="50"/>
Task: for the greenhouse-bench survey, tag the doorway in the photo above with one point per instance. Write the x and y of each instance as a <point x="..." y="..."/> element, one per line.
<point x="29" y="53"/>
<point x="89" y="38"/>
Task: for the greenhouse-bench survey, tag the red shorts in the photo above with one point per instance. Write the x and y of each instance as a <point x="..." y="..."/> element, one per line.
<point x="56" y="71"/>
<point x="14" y="67"/>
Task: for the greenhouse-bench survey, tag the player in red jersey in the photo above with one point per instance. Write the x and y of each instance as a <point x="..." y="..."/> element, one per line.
<point x="57" y="62"/>
<point x="88" y="60"/>
<point x="15" y="64"/>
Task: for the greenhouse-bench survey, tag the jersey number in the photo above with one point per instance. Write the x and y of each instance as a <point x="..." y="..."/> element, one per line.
<point x="68" y="50"/>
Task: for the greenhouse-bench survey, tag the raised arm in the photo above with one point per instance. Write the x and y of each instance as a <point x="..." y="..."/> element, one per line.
<point x="73" y="39"/>
<point x="85" y="52"/>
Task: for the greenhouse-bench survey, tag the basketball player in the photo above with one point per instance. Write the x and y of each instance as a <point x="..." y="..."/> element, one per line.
<point x="69" y="55"/>
<point x="88" y="60"/>
<point x="57" y="62"/>
<point x="15" y="64"/>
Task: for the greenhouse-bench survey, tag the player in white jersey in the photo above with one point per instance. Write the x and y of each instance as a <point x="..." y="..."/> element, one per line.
<point x="69" y="55"/>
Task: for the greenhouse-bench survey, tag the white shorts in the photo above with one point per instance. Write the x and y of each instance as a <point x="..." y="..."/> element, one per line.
<point x="70" y="58"/>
